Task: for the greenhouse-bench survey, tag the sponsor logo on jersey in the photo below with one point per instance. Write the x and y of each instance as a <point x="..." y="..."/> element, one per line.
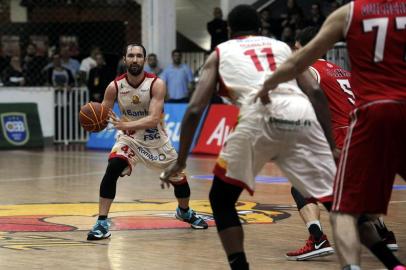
<point x="124" y="92"/>
<point x="151" y="134"/>
<point x="149" y="155"/>
<point x="15" y="128"/>
<point x="137" y="113"/>
<point x="135" y="99"/>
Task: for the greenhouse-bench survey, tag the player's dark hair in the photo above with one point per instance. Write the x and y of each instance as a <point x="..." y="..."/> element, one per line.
<point x="244" y="18"/>
<point x="135" y="45"/>
<point x="152" y="54"/>
<point x="305" y="35"/>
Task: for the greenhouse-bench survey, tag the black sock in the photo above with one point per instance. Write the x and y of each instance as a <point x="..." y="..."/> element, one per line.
<point x="184" y="210"/>
<point x="238" y="261"/>
<point x="102" y="218"/>
<point x="315" y="230"/>
<point x="381" y="228"/>
<point x="383" y="253"/>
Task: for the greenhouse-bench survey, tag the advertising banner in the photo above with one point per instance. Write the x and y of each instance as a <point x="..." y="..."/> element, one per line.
<point x="20" y="126"/>
<point x="220" y="121"/>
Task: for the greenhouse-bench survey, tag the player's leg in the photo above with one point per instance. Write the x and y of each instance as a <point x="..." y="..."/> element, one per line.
<point x="310" y="214"/>
<point x="237" y="165"/>
<point x="387" y="236"/>
<point x="356" y="175"/>
<point x="180" y="186"/>
<point x="108" y="186"/>
<point x="223" y="197"/>
<point x="183" y="211"/>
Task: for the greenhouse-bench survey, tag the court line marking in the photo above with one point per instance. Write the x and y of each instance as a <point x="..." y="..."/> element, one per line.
<point x="49" y="177"/>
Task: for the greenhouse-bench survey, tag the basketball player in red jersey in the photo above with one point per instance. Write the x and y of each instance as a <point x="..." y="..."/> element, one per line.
<point x="141" y="139"/>
<point x="335" y="82"/>
<point x="374" y="149"/>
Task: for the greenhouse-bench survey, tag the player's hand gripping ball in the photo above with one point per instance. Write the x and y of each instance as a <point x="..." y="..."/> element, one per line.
<point x="93" y="117"/>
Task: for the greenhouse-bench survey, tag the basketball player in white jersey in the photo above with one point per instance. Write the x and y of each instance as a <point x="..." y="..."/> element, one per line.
<point x="286" y="131"/>
<point x="141" y="138"/>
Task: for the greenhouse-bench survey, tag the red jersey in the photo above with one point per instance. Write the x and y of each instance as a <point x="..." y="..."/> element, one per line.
<point x="335" y="83"/>
<point x="376" y="41"/>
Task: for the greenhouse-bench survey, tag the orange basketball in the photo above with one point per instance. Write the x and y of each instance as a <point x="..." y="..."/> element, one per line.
<point x="93" y="117"/>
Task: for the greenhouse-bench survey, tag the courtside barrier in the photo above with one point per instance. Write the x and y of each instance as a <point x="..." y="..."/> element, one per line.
<point x="67" y="107"/>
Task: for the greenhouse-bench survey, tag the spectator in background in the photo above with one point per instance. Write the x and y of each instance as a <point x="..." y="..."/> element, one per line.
<point x="88" y="63"/>
<point x="121" y="68"/>
<point x="265" y="19"/>
<point x="33" y="65"/>
<point x="288" y="36"/>
<point x="217" y="28"/>
<point x="152" y="65"/>
<point x="178" y="78"/>
<point x="316" y="19"/>
<point x="333" y="6"/>
<point x="67" y="61"/>
<point x="4" y="60"/>
<point x="13" y="74"/>
<point x="99" y="79"/>
<point x="59" y="76"/>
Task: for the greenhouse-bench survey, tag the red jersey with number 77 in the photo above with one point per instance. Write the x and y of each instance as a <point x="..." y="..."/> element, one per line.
<point x="335" y="83"/>
<point x="376" y="41"/>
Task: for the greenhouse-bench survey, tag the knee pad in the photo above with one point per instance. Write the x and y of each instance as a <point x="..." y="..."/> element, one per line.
<point x="182" y="190"/>
<point x="299" y="199"/>
<point x="109" y="182"/>
<point x="223" y="197"/>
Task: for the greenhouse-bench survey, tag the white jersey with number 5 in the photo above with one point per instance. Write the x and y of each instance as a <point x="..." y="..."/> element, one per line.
<point x="246" y="62"/>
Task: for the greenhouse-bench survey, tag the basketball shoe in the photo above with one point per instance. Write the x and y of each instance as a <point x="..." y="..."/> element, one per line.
<point x="100" y="230"/>
<point x="312" y="249"/>
<point x="190" y="217"/>
<point x="389" y="239"/>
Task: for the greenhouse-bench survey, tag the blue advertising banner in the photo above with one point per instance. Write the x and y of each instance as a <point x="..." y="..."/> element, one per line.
<point x="173" y="119"/>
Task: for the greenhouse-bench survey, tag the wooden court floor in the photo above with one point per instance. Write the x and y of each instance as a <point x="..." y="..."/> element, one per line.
<point x="49" y="202"/>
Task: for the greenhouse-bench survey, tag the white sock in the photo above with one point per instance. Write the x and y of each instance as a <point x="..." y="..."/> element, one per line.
<point x="352" y="267"/>
<point x="317" y="222"/>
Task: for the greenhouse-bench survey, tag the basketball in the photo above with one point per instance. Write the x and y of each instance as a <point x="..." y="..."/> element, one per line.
<point x="93" y="117"/>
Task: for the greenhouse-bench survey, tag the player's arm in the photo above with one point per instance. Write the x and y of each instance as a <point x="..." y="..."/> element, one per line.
<point x="331" y="32"/>
<point x="312" y="89"/>
<point x="110" y="96"/>
<point x="156" y="105"/>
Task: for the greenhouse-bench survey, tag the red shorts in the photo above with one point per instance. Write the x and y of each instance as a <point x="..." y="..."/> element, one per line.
<point x="374" y="152"/>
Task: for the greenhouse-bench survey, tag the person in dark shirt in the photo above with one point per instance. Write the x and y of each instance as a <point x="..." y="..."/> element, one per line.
<point x="33" y="65"/>
<point x="59" y="76"/>
<point x="99" y="79"/>
<point x="13" y="74"/>
<point x="217" y="28"/>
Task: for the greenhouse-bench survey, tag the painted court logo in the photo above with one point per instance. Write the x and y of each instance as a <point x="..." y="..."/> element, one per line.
<point x="138" y="215"/>
<point x="15" y="128"/>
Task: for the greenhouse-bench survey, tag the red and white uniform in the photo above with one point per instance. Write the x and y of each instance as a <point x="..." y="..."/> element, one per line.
<point x="335" y="83"/>
<point x="374" y="149"/>
<point x="150" y="146"/>
<point x="285" y="131"/>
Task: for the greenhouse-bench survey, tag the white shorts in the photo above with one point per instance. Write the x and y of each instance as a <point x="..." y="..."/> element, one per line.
<point x="157" y="158"/>
<point x="292" y="138"/>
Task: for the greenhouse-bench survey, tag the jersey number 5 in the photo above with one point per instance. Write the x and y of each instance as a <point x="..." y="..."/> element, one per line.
<point x="346" y="87"/>
<point x="255" y="59"/>
<point x="382" y="27"/>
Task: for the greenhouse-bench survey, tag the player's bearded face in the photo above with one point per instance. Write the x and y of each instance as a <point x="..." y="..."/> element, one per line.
<point x="135" y="68"/>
